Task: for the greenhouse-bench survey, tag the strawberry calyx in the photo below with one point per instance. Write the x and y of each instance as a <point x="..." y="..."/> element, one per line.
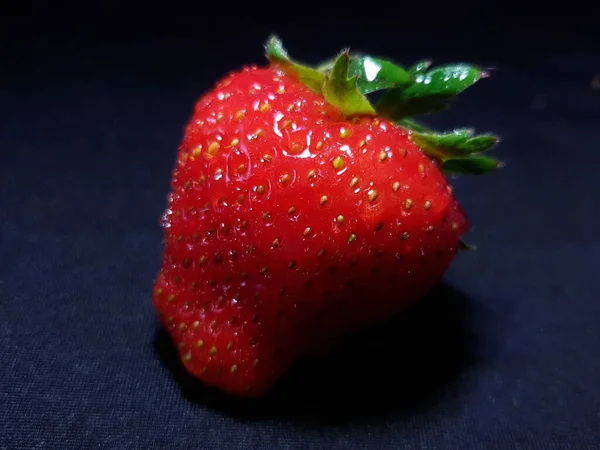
<point x="347" y="81"/>
<point x="341" y="89"/>
<point x="458" y="150"/>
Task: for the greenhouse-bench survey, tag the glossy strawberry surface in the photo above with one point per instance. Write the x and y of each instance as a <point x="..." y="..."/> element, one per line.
<point x="289" y="225"/>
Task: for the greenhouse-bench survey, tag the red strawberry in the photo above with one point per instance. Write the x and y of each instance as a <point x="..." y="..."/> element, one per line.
<point x="299" y="212"/>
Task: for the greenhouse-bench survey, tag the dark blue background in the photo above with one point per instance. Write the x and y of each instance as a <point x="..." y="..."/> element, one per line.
<point x="93" y="103"/>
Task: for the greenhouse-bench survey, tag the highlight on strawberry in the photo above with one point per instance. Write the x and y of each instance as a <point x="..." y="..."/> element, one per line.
<point x="301" y="210"/>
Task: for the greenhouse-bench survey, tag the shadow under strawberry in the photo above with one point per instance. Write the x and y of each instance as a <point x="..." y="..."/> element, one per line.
<point x="397" y="367"/>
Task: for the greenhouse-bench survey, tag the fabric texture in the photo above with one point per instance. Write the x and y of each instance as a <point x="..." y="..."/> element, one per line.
<point x="505" y="354"/>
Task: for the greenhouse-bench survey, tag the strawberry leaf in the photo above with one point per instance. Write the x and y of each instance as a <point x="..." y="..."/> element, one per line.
<point x="460" y="142"/>
<point x="456" y="149"/>
<point x="374" y="74"/>
<point x="326" y="66"/>
<point x="420" y="67"/>
<point x="448" y="80"/>
<point x="394" y="106"/>
<point x="463" y="245"/>
<point x="341" y="89"/>
<point x="431" y="91"/>
<point x="307" y="75"/>
<point x="470" y="165"/>
<point x="413" y="125"/>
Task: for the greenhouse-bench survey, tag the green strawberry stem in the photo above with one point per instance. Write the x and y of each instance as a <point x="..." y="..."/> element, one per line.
<point x="347" y="80"/>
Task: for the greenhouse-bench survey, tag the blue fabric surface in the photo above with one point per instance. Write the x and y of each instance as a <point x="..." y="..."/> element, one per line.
<point x="504" y="355"/>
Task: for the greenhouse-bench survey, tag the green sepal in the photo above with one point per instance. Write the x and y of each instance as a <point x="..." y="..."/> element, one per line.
<point x="430" y="91"/>
<point x="470" y="165"/>
<point x="448" y="80"/>
<point x="420" y="67"/>
<point x="326" y="66"/>
<point x="340" y="89"/>
<point x="463" y="245"/>
<point x="460" y="142"/>
<point x="307" y="75"/>
<point x="374" y="74"/>
<point x="413" y="125"/>
<point x="396" y="107"/>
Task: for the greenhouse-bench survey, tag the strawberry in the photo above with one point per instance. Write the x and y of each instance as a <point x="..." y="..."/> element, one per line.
<point x="300" y="212"/>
